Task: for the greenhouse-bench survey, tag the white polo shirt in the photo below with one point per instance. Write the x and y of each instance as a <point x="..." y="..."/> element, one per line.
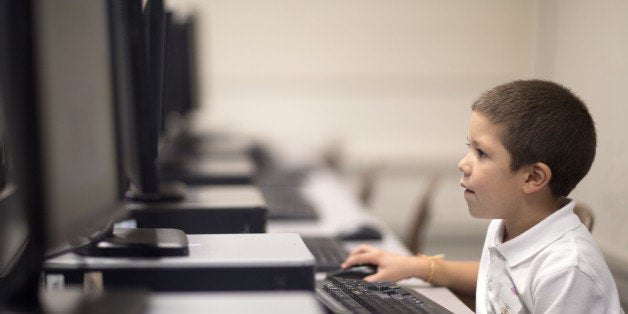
<point x="554" y="267"/>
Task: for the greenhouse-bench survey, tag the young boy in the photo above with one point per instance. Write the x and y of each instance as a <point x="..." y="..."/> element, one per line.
<point x="530" y="143"/>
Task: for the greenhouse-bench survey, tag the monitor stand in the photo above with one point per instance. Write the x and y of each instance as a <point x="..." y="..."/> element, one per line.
<point x="139" y="242"/>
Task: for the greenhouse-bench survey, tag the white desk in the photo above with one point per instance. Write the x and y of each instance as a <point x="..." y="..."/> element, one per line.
<point x="75" y="300"/>
<point x="339" y="209"/>
<point x="285" y="302"/>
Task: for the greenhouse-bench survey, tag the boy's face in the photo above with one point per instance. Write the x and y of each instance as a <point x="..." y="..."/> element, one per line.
<point x="492" y="189"/>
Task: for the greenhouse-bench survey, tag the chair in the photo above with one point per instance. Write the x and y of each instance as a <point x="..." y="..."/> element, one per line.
<point x="367" y="182"/>
<point x="332" y="155"/>
<point x="585" y="214"/>
<point x="414" y="239"/>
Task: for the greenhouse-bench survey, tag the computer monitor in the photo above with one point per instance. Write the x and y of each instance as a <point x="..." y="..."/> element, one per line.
<point x="129" y="69"/>
<point x="155" y="26"/>
<point x="192" y="100"/>
<point x="142" y="35"/>
<point x="4" y="160"/>
<point x="21" y="247"/>
<point x="179" y="80"/>
<point x="75" y="117"/>
<point x="135" y="112"/>
<point x="57" y="102"/>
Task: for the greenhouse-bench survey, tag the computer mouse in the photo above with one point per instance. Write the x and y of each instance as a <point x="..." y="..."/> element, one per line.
<point x="361" y="232"/>
<point x="354" y="272"/>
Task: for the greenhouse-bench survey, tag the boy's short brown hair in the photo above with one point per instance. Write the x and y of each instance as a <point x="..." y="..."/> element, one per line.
<point x="543" y="122"/>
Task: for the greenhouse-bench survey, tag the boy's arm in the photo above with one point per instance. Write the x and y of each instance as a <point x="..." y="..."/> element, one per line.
<point x="460" y="277"/>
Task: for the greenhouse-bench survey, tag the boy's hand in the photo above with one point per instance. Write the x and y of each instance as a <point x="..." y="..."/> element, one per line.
<point x="390" y="266"/>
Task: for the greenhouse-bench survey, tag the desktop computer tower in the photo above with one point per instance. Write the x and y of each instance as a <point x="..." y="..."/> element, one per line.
<point x="217" y="262"/>
<point x="206" y="209"/>
<point x="213" y="169"/>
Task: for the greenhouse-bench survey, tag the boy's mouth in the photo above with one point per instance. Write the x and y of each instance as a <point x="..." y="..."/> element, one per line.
<point x="466" y="189"/>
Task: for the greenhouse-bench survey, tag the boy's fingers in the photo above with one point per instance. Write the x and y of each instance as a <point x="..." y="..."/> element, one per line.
<point x="362" y="258"/>
<point x="373" y="277"/>
<point x="350" y="261"/>
<point x="363" y="248"/>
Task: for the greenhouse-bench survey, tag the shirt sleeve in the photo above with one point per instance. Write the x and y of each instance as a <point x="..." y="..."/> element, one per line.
<point x="569" y="290"/>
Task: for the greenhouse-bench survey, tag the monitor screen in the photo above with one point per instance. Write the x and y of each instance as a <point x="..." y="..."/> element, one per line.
<point x="20" y="256"/>
<point x="179" y="80"/>
<point x="129" y="69"/>
<point x="155" y="27"/>
<point x="14" y="231"/>
<point x="192" y="63"/>
<point x="139" y="47"/>
<point x="75" y="117"/>
<point x="58" y="106"/>
<point x="138" y="95"/>
<point x="138" y="92"/>
<point x="13" y="219"/>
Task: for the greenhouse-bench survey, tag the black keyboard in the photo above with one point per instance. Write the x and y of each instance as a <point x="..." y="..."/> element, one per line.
<point x="329" y="252"/>
<point x="287" y="203"/>
<point x="281" y="191"/>
<point x="342" y="295"/>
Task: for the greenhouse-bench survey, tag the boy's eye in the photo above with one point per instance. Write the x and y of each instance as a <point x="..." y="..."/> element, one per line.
<point x="478" y="151"/>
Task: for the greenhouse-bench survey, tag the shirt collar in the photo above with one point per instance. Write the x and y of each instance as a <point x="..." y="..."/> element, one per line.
<point x="538" y="237"/>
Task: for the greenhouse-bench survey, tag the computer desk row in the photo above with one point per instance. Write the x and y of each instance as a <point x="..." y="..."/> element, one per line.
<point x="339" y="209"/>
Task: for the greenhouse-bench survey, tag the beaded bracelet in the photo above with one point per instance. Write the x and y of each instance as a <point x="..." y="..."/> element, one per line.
<point x="431" y="260"/>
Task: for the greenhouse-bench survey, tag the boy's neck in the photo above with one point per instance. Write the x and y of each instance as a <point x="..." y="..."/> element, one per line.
<point x="532" y="212"/>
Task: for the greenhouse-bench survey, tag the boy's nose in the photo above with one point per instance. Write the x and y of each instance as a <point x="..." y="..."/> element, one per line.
<point x="463" y="165"/>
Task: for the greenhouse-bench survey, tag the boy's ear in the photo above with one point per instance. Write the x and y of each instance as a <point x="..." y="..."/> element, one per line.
<point x="539" y="175"/>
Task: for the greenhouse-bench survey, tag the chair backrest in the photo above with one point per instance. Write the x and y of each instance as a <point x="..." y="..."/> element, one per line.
<point x="585" y="214"/>
<point x="368" y="178"/>
<point x="332" y="155"/>
<point x="415" y="237"/>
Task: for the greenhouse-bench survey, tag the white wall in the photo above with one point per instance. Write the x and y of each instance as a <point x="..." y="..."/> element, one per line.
<point x="588" y="51"/>
<point x="584" y="45"/>
<point x="390" y="78"/>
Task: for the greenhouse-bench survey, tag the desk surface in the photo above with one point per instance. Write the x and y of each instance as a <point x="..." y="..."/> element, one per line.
<point x="75" y="300"/>
<point x="339" y="209"/>
<point x="220" y="251"/>
<point x="235" y="302"/>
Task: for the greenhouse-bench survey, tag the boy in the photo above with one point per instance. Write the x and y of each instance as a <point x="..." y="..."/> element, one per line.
<point x="530" y="143"/>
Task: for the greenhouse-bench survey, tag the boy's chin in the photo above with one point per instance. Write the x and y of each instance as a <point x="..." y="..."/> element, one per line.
<point x="477" y="212"/>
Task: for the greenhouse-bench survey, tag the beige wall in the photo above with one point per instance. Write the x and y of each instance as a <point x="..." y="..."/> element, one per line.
<point x="584" y="45"/>
<point x="587" y="49"/>
<point x="390" y="78"/>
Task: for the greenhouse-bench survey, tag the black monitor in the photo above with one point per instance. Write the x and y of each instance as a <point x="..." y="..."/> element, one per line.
<point x="130" y="68"/>
<point x="192" y="99"/>
<point x="21" y="242"/>
<point x="155" y="29"/>
<point x="180" y="82"/>
<point x="143" y="32"/>
<point x="139" y="139"/>
<point x="57" y="102"/>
